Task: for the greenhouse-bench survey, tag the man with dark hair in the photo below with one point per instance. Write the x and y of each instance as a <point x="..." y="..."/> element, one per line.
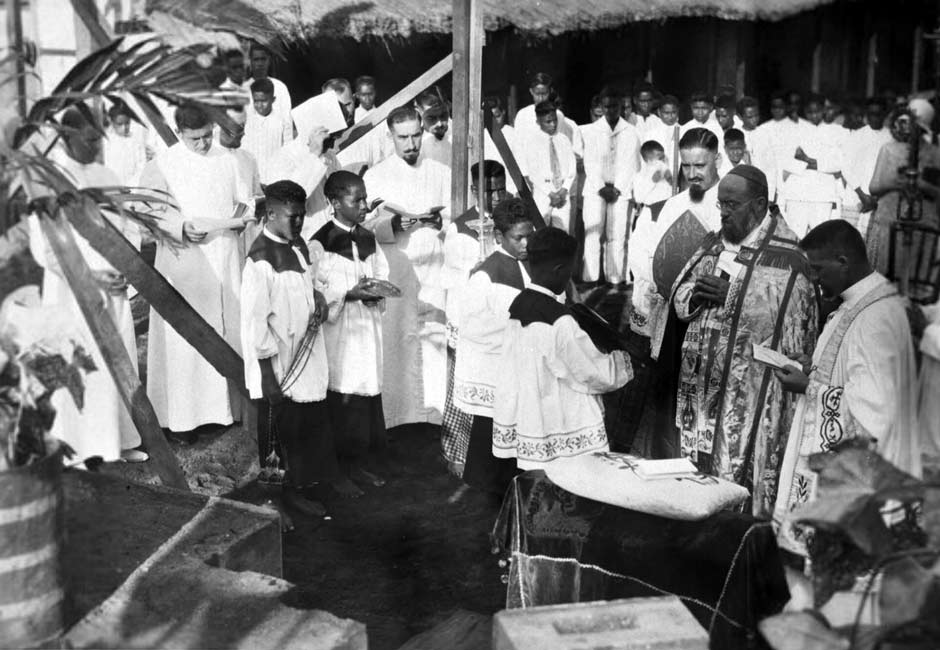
<point x="266" y="129"/>
<point x="861" y="149"/>
<point x="734" y="151"/>
<point x="436" y="141"/>
<point x="484" y="313"/>
<point x="246" y="166"/>
<point x="235" y="66"/>
<point x="364" y="86"/>
<point x="758" y="147"/>
<point x="644" y="101"/>
<point x="725" y="113"/>
<point x="186" y="391"/>
<point x="780" y="137"/>
<point x="125" y="148"/>
<point x="746" y="286"/>
<point x="701" y="105"/>
<point x="259" y="60"/>
<point x="861" y="379"/>
<point x="548" y="163"/>
<point x="666" y="133"/>
<point x="551" y="374"/>
<point x="611" y="159"/>
<point x="416" y="194"/>
<point x="526" y="121"/>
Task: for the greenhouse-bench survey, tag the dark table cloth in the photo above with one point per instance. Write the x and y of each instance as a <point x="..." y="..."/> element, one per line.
<point x="564" y="548"/>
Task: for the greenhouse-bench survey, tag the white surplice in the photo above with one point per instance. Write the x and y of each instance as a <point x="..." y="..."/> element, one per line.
<point x="863" y="384"/>
<point x="126" y="155"/>
<point x="414" y="339"/>
<point x="929" y="406"/>
<point x="103" y="427"/>
<point x="860" y="153"/>
<point x="282" y="101"/>
<point x="551" y="375"/>
<point x="353" y="331"/>
<point x="185" y="389"/>
<point x="265" y="136"/>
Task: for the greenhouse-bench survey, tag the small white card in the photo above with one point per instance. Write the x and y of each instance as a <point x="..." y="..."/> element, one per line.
<point x="772" y="358"/>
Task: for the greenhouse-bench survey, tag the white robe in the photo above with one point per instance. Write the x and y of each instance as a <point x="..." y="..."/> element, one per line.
<point x="863" y="384"/>
<point x="282" y="102"/>
<point x="126" y="156"/>
<point x="414" y="345"/>
<point x="185" y="389"/>
<point x="439" y="150"/>
<point x="526" y="123"/>
<point x="548" y="403"/>
<point x="104" y="426"/>
<point x="711" y="124"/>
<point x="535" y="164"/>
<point x="812" y="196"/>
<point x="929" y="406"/>
<point x="265" y="136"/>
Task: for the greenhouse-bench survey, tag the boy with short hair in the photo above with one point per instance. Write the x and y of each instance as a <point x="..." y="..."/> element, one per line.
<point x="549" y="165"/>
<point x="353" y="332"/>
<point x="284" y="350"/>
<point x="735" y="151"/>
<point x="483" y="318"/>
<point x="701" y="105"/>
<point x="551" y="373"/>
<point x="365" y="96"/>
<point x="266" y="130"/>
<point x="665" y="132"/>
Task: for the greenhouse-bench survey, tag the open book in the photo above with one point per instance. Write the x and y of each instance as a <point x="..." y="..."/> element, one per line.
<point x="664" y="468"/>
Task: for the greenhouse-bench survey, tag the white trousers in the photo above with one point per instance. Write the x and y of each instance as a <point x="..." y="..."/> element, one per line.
<point x="554" y="217"/>
<point x="802" y="216"/>
<point x="611" y="220"/>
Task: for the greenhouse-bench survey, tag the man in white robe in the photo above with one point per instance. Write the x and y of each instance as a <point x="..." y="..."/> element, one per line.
<point x="365" y="96"/>
<point x="780" y="136"/>
<point x="267" y="130"/>
<point x="701" y="106"/>
<point x="861" y="381"/>
<point x="248" y="177"/>
<point x="186" y="391"/>
<point x="526" y="123"/>
<point x="260" y="64"/>
<point x="103" y="426"/>
<point x="860" y="153"/>
<point x="125" y="149"/>
<point x="416" y="192"/>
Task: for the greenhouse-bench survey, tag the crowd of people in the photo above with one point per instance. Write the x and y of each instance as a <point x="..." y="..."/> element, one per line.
<point x="360" y="303"/>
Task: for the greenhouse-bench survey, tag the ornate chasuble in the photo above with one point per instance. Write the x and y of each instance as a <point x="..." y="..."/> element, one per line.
<point x="732" y="414"/>
<point x="819" y="425"/>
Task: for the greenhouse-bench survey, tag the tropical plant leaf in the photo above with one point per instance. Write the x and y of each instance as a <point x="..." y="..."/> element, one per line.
<point x="853" y="484"/>
<point x="801" y="631"/>
<point x="905" y="591"/>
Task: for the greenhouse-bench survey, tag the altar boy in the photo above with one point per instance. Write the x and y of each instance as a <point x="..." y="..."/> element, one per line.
<point x="353" y="332"/>
<point x="547" y="405"/>
<point x="285" y="358"/>
<point x="484" y="313"/>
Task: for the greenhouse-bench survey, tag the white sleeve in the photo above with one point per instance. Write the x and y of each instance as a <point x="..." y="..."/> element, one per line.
<point x="256" y="308"/>
<point x="577" y="360"/>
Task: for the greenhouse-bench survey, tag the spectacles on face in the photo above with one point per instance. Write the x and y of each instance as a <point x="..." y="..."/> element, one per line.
<point x="730" y="206"/>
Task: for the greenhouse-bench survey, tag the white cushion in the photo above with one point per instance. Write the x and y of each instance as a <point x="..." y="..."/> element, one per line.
<point x="612" y="478"/>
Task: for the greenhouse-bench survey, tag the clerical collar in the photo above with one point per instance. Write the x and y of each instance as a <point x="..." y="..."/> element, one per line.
<point x="342" y="226"/>
<point x="855" y="293"/>
<point x="270" y="235"/>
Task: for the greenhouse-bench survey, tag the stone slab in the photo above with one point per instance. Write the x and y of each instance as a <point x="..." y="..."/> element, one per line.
<point x="630" y="624"/>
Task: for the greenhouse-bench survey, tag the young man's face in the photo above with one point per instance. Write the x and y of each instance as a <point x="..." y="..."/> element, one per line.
<point x="494" y="191"/>
<point x="830" y="274"/>
<point x="285" y="219"/>
<point x="669" y="114"/>
<point x="597" y="112"/>
<point x="699" y="166"/>
<point x="263" y="103"/>
<point x="516" y="240"/>
<point x="700" y="111"/>
<point x="814" y="113"/>
<point x="232" y="139"/>
<point x="830" y="112"/>
<point x="353" y="206"/>
<point x="365" y="95"/>
<point x="778" y="108"/>
<point x="235" y="67"/>
<point x="735" y="151"/>
<point x="643" y="103"/>
<point x="751" y="117"/>
<point x="260" y="62"/>
<point x="875" y="114"/>
<point x="122" y="125"/>
<point x="725" y="117"/>
<point x="407" y="138"/>
<point x="794" y="101"/>
<point x="612" y="108"/>
<point x="548" y="123"/>
<point x="197" y="140"/>
<point x="656" y="155"/>
<point x="435" y="123"/>
<point x="540" y="93"/>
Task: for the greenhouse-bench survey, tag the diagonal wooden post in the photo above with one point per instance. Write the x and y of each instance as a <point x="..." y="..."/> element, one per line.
<point x="515" y="173"/>
<point x="109" y="342"/>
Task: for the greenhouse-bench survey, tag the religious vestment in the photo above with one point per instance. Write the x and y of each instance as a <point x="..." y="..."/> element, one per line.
<point x="611" y="157"/>
<point x="778" y="142"/>
<point x="928" y="405"/>
<point x="484" y="316"/>
<point x="186" y="391"/>
<point x="353" y="335"/>
<point x="248" y="190"/>
<point x="732" y="413"/>
<point x="278" y="322"/>
<point x="264" y="137"/>
<point x="811" y="196"/>
<point x="862" y="385"/>
<point x="414" y="340"/>
<point x="860" y="152"/>
<point x="282" y="101"/>
<point x="103" y="426"/>
<point x="526" y="123"/>
<point x="126" y="155"/>
<point x="647" y="127"/>
<point x="650" y="192"/>
<point x="548" y="161"/>
<point x="552" y="376"/>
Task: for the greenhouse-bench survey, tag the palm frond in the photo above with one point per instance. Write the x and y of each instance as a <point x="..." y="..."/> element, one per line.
<point x="232" y="16"/>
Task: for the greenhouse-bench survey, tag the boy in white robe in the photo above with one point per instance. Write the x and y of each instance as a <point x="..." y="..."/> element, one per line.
<point x="353" y="332"/>
<point x="611" y="159"/>
<point x="365" y="96"/>
<point x="735" y="151"/>
<point x="185" y="389"/>
<point x="666" y="132"/>
<point x="260" y="64"/>
<point x="549" y="165"/>
<point x="701" y="106"/>
<point x="484" y="316"/>
<point x="103" y="426"/>
<point x="285" y="351"/>
<point x="125" y="149"/>
<point x="552" y="376"/>
<point x="266" y="130"/>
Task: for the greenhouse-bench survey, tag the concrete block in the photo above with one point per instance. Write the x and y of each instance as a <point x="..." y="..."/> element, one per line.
<point x="631" y="624"/>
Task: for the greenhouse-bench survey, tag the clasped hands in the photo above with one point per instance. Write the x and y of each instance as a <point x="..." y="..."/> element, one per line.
<point x="362" y="293"/>
<point x="609" y="193"/>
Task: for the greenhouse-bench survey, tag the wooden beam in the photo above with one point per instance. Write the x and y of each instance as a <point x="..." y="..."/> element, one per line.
<point x="163" y="297"/>
<point x="87" y="11"/>
<point x="460" y="165"/>
<point x="917" y="57"/>
<point x="15" y="33"/>
<point x="816" y="73"/>
<point x="110" y="343"/>
<point x="402" y="97"/>
<point x="515" y="173"/>
<point x="872" y="65"/>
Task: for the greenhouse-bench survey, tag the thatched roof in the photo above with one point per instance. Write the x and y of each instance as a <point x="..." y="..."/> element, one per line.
<point x="401" y="18"/>
<point x="361" y="19"/>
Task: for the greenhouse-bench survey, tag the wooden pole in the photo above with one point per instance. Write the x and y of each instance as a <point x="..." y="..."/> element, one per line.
<point x="110" y="343"/>
<point x="477" y="41"/>
<point x="15" y="25"/>
<point x="917" y="59"/>
<point x="461" y="106"/>
<point x="816" y="74"/>
<point x="515" y="173"/>
<point x="87" y="11"/>
<point x="872" y="65"/>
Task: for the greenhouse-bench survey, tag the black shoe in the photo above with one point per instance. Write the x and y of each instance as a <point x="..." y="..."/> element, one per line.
<point x="182" y="438"/>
